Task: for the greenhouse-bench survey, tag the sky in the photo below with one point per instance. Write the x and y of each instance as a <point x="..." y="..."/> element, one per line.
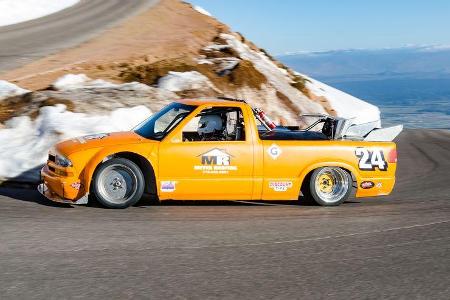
<point x="316" y="25"/>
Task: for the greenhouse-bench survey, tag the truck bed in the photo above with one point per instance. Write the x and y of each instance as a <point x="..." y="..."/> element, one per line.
<point x="290" y="135"/>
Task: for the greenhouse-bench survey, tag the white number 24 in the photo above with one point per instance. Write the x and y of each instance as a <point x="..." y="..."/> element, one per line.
<point x="371" y="159"/>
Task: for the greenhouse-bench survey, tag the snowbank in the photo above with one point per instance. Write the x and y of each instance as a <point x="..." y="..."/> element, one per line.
<point x="8" y="89"/>
<point x="24" y="143"/>
<point x="182" y="81"/>
<point x="202" y="10"/>
<point x="71" y="82"/>
<point x="346" y="105"/>
<point x="16" y="11"/>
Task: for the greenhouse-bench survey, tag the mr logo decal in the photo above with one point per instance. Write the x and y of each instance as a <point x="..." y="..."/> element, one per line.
<point x="215" y="161"/>
<point x="216" y="157"/>
<point x="369" y="160"/>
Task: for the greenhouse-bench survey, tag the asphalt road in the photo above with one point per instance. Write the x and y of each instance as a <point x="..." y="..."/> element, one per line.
<point x="24" y="42"/>
<point x="388" y="247"/>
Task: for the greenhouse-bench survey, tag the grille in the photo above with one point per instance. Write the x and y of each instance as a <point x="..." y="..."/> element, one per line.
<point x="52" y="157"/>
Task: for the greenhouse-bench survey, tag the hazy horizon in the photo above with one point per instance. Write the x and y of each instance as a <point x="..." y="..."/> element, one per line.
<point x="298" y="25"/>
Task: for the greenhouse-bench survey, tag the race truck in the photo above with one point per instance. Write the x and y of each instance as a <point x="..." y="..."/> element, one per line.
<point x="223" y="149"/>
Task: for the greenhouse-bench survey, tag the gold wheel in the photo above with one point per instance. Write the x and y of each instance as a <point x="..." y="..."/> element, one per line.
<point x="330" y="185"/>
<point x="325" y="183"/>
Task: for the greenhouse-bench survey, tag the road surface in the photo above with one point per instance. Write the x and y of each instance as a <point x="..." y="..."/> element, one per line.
<point x="388" y="247"/>
<point x="24" y="42"/>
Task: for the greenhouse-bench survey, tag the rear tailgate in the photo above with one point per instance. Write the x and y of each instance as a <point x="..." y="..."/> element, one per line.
<point x="377" y="164"/>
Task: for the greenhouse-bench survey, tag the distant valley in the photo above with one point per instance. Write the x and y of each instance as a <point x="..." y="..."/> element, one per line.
<point x="411" y="85"/>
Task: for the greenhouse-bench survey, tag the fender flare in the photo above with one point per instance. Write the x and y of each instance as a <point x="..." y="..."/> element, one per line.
<point x="354" y="172"/>
<point x="101" y="156"/>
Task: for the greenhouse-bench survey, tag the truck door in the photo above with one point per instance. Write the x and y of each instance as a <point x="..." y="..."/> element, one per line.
<point x="210" y="158"/>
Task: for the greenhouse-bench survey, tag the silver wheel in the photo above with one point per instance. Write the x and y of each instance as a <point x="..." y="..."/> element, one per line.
<point x="331" y="185"/>
<point x="117" y="183"/>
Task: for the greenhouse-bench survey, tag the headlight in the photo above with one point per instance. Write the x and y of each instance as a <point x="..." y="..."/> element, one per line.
<point x="62" y="161"/>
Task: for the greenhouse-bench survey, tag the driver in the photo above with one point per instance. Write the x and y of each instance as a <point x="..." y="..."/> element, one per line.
<point x="211" y="128"/>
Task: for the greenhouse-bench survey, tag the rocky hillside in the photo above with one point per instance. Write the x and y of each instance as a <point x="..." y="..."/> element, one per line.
<point x="167" y="52"/>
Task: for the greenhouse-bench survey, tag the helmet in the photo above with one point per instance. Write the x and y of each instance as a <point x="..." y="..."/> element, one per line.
<point x="209" y="124"/>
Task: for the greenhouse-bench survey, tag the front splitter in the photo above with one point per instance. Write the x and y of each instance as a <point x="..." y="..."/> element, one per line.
<point x="44" y="190"/>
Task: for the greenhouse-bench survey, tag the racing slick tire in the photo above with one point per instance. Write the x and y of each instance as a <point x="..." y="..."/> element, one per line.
<point x="118" y="183"/>
<point x="329" y="186"/>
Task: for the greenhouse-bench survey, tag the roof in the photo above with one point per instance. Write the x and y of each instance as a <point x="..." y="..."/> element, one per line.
<point x="212" y="101"/>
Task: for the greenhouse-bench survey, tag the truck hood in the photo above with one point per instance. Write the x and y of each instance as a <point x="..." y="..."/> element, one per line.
<point x="100" y="140"/>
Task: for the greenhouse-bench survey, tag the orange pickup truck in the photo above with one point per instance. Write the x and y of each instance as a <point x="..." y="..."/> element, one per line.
<point x="222" y="149"/>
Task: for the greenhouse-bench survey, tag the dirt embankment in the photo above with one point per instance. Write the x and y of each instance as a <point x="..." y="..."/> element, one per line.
<point x="171" y="36"/>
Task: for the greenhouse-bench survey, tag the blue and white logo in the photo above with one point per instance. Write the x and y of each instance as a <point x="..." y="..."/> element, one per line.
<point x="274" y="151"/>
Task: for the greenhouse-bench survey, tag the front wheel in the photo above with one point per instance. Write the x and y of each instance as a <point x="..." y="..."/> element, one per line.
<point x="329" y="186"/>
<point x="118" y="183"/>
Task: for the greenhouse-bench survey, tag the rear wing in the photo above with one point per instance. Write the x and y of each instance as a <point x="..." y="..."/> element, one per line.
<point x="344" y="129"/>
<point x="384" y="134"/>
<point x="371" y="132"/>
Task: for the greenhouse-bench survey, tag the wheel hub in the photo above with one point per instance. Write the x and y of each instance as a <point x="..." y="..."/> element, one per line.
<point x="326" y="183"/>
<point x="117" y="183"/>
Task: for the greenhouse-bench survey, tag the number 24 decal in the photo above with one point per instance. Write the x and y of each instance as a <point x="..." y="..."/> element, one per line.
<point x="371" y="159"/>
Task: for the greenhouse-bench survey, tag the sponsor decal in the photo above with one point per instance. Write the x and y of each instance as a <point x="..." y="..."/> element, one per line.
<point x="215" y="161"/>
<point x="168" y="186"/>
<point x="76" y="185"/>
<point x="86" y="138"/>
<point x="280" y="186"/>
<point x="274" y="151"/>
<point x="369" y="160"/>
<point x="367" y="185"/>
<point x="379" y="185"/>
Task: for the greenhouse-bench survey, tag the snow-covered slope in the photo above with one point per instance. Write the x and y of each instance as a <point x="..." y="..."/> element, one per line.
<point x="346" y="106"/>
<point x="17" y="11"/>
<point x="276" y="76"/>
<point x="182" y="81"/>
<point x="24" y="143"/>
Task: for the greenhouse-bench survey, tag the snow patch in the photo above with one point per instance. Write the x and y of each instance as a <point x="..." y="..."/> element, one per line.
<point x="182" y="81"/>
<point x="24" y="143"/>
<point x="71" y="82"/>
<point x="17" y="11"/>
<point x="8" y="89"/>
<point x="202" y="10"/>
<point x="346" y="106"/>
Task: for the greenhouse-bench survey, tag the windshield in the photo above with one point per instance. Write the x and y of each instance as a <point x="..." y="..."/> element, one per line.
<point x="160" y="124"/>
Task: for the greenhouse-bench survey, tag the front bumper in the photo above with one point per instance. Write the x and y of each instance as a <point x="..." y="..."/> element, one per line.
<point x="61" y="189"/>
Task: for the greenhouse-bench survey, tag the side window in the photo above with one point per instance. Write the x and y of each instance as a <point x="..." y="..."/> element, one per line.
<point x="216" y="124"/>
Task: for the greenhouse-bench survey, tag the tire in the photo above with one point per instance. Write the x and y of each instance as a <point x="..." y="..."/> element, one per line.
<point x="329" y="186"/>
<point x="118" y="183"/>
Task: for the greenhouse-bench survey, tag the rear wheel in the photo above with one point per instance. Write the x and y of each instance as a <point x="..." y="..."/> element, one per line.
<point x="329" y="186"/>
<point x="118" y="183"/>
